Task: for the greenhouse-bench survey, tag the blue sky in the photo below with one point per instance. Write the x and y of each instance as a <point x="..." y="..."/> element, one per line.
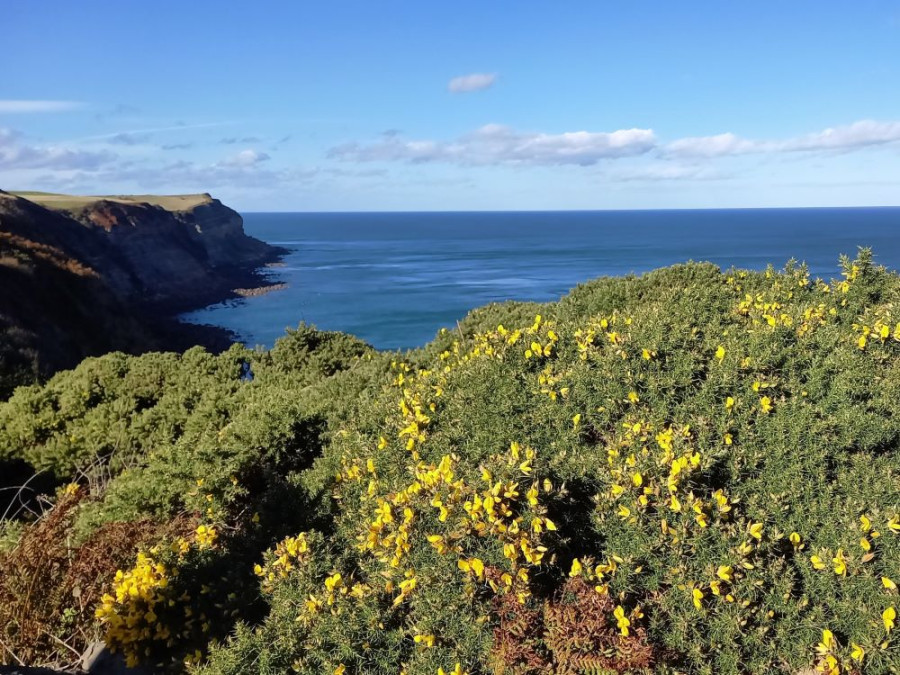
<point x="456" y="106"/>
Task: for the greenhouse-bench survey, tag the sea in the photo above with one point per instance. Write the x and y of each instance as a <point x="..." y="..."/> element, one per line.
<point x="394" y="279"/>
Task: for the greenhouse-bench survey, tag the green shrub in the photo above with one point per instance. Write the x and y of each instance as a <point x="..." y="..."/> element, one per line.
<point x="713" y="455"/>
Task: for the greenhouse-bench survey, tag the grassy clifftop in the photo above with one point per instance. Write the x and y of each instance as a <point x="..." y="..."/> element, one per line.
<point x="692" y="471"/>
<point x="64" y="202"/>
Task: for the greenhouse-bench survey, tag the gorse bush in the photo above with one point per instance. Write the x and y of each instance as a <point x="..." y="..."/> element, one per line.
<point x="200" y="440"/>
<point x="687" y="472"/>
<point x="117" y="407"/>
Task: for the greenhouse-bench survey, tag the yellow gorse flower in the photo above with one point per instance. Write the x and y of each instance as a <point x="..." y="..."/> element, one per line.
<point x="840" y="563"/>
<point x="621" y="620"/>
<point x="827" y="644"/>
<point x="894" y="524"/>
<point x="576" y="569"/>
<point x="456" y="671"/>
<point x="206" y="536"/>
<point x="697" y="596"/>
<point x="426" y="641"/>
<point x="131" y="613"/>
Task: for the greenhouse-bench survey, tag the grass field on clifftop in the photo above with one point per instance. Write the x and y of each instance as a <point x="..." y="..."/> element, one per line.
<point x="64" y="202"/>
<point x="691" y="471"/>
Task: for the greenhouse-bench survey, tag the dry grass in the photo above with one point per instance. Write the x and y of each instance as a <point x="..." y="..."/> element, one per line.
<point x="50" y="587"/>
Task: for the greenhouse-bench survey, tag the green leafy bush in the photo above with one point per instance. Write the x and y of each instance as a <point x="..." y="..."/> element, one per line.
<point x="690" y="471"/>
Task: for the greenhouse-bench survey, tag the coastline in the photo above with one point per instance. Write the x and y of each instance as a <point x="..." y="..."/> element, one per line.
<point x="240" y="283"/>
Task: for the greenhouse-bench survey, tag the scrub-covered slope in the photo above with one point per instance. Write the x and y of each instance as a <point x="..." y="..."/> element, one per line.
<point x="691" y="471"/>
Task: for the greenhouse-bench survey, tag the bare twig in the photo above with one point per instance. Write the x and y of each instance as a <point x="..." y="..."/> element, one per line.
<point x="18" y="496"/>
<point x="64" y="644"/>
<point x="11" y="653"/>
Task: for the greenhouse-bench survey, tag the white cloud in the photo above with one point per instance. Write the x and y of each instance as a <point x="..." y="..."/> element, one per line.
<point x="245" y="158"/>
<point x="471" y="82"/>
<point x="857" y="135"/>
<point x="712" y="146"/>
<point x="8" y="106"/>
<point x="667" y="172"/>
<point x="494" y="144"/>
<point x="862" y="134"/>
<point x="17" y="154"/>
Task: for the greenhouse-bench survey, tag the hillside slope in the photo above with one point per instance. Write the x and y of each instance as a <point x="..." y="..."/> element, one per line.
<point x="693" y="471"/>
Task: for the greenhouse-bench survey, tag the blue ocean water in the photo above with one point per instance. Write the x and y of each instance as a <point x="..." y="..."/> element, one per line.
<point x="394" y="279"/>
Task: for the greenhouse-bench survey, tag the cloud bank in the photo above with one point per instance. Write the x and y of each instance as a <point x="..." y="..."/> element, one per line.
<point x="496" y="144"/>
<point x="635" y="155"/>
<point x="8" y="106"/>
<point x="862" y="134"/>
<point x="15" y="153"/>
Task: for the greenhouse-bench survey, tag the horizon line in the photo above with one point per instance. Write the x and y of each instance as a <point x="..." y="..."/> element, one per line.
<point x="677" y="208"/>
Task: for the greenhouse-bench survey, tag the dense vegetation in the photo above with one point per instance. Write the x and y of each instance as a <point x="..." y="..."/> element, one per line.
<point x="693" y="471"/>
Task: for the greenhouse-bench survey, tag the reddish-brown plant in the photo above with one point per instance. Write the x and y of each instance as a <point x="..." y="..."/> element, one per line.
<point x="49" y="587"/>
<point x="574" y="633"/>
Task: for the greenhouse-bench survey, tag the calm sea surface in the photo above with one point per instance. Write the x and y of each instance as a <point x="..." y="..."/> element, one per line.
<point x="394" y="279"/>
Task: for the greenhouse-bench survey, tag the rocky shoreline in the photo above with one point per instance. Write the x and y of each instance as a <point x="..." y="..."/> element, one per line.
<point x="259" y="290"/>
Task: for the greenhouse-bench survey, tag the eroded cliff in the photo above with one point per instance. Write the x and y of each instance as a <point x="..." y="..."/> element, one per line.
<point x="81" y="276"/>
<point x="183" y="251"/>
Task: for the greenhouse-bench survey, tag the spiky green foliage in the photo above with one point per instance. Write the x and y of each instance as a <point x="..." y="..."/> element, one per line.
<point x="713" y="455"/>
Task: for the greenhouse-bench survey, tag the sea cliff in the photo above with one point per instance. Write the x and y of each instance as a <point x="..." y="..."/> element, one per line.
<point x="85" y="275"/>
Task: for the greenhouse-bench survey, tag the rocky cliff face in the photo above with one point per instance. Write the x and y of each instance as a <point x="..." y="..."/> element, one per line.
<point x="180" y="258"/>
<point x="97" y="275"/>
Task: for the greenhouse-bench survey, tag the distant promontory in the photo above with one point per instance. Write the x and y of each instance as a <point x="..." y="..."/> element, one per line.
<point x="81" y="276"/>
